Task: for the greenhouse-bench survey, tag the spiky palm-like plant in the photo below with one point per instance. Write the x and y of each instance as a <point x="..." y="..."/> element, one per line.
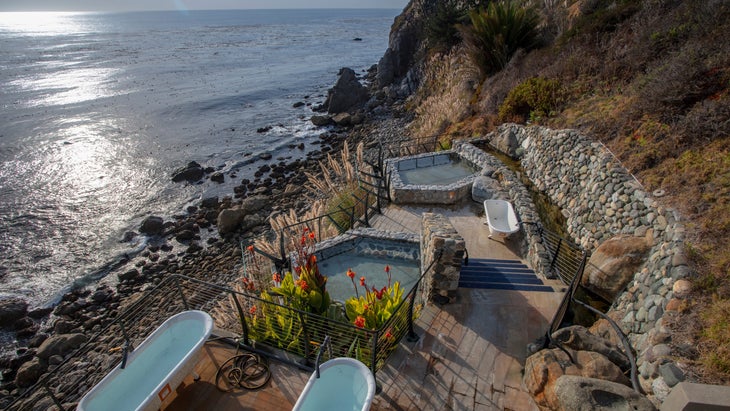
<point x="497" y="32"/>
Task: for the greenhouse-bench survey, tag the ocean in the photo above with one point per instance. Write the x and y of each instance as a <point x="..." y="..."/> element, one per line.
<point x="98" y="110"/>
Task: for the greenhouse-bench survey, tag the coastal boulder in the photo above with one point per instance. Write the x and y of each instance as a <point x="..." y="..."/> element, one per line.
<point x="589" y="394"/>
<point x="321" y="121"/>
<point x="11" y="310"/>
<point x="152" y="225"/>
<point x="61" y="345"/>
<point x="347" y="94"/>
<point x="543" y="369"/>
<point x="243" y="216"/>
<point x="29" y="373"/>
<point x="191" y="173"/>
<point x="613" y="265"/>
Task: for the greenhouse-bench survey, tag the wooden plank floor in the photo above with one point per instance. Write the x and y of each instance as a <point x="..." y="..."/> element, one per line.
<point x="280" y="393"/>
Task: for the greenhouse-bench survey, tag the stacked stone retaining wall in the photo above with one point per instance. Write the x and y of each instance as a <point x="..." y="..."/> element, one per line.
<point x="600" y="200"/>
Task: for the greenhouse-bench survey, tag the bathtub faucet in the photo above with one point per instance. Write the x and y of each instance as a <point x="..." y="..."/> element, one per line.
<point x="325" y="343"/>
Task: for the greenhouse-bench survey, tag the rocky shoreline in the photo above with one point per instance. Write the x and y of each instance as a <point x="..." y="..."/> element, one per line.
<point x="202" y="242"/>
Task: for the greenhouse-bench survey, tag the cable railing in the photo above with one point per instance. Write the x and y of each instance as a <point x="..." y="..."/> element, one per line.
<point x="263" y="325"/>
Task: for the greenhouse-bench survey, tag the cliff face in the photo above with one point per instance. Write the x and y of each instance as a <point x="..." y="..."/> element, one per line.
<point x="648" y="80"/>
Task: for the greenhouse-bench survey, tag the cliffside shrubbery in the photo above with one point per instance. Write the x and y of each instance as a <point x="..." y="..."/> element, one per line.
<point x="496" y="33"/>
<point x="651" y="80"/>
<point x="533" y="99"/>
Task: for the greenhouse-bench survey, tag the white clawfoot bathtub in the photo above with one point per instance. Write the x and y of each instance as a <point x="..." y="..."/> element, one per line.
<point x="501" y="218"/>
<point x="154" y="368"/>
<point x="345" y="384"/>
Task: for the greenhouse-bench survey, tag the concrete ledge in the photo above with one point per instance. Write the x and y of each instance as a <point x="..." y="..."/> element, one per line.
<point x="688" y="396"/>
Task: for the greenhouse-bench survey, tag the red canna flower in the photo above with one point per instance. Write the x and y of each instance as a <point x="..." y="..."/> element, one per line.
<point x="387" y="269"/>
<point x="362" y="282"/>
<point x="388" y="335"/>
<point x="276" y="277"/>
<point x="350" y="273"/>
<point x="311" y="235"/>
<point x="306" y="230"/>
<point x="252" y="310"/>
<point x="360" y="321"/>
<point x="379" y="293"/>
<point x="250" y="249"/>
<point x="304" y="239"/>
<point x="303" y="285"/>
<point x="365" y="306"/>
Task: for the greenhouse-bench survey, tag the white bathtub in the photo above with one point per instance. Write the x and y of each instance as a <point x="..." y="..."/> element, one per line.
<point x="501" y="218"/>
<point x="153" y="369"/>
<point x="345" y="384"/>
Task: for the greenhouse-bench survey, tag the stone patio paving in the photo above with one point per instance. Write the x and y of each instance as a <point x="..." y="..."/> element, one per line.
<point x="469" y="357"/>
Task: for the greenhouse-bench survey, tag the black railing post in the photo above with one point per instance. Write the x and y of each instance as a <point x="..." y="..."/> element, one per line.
<point x="244" y="325"/>
<point x="374" y="354"/>
<point x="182" y="295"/>
<point x="306" y="337"/>
<point x="557" y="252"/>
<point x="53" y="397"/>
<point x="412" y="336"/>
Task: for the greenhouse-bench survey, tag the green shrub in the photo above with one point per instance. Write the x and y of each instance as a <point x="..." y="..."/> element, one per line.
<point x="533" y="99"/>
<point x="496" y="33"/>
<point x="440" y="27"/>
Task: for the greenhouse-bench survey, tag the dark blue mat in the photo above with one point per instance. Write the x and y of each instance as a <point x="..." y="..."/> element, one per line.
<point x="485" y="273"/>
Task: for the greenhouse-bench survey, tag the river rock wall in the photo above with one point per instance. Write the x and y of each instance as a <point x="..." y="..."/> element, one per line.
<point x="601" y="200"/>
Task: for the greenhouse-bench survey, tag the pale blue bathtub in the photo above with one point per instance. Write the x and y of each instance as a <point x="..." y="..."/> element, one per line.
<point x="345" y="384"/>
<point x="153" y="369"/>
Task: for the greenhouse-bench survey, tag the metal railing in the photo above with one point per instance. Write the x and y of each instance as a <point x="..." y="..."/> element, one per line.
<point x="264" y="326"/>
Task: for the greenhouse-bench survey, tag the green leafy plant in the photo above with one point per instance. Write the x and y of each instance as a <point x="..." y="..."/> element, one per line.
<point x="496" y="33"/>
<point x="373" y="309"/>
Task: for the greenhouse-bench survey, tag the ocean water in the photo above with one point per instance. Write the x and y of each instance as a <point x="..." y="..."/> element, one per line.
<point x="99" y="109"/>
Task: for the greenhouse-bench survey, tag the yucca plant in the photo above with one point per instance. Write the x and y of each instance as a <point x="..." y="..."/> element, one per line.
<point x="497" y="32"/>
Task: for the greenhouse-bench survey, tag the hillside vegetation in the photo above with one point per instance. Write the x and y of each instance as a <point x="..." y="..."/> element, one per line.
<point x="650" y="79"/>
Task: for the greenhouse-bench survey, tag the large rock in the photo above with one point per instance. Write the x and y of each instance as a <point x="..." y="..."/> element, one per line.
<point x="242" y="216"/>
<point x="347" y="94"/>
<point x="191" y="173"/>
<point x="590" y="394"/>
<point x="11" y="310"/>
<point x="543" y="369"/>
<point x="613" y="265"/>
<point x="486" y="188"/>
<point x="506" y="142"/>
<point x="580" y="339"/>
<point x="152" y="225"/>
<point x="29" y="373"/>
<point x="61" y="345"/>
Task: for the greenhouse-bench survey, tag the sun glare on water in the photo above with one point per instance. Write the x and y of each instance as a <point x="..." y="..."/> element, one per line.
<point x="40" y="23"/>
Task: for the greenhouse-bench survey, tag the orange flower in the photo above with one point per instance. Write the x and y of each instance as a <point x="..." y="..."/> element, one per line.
<point x="360" y="321"/>
<point x="387" y="268"/>
<point x="388" y="335"/>
<point x="350" y="273"/>
<point x="303" y="285"/>
<point x="365" y="306"/>
<point x="362" y="282"/>
<point x="276" y="277"/>
<point x="250" y="249"/>
<point x="252" y="310"/>
<point x="311" y="235"/>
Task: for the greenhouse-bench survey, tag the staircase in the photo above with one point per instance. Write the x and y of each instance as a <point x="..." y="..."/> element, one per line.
<point x="492" y="274"/>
